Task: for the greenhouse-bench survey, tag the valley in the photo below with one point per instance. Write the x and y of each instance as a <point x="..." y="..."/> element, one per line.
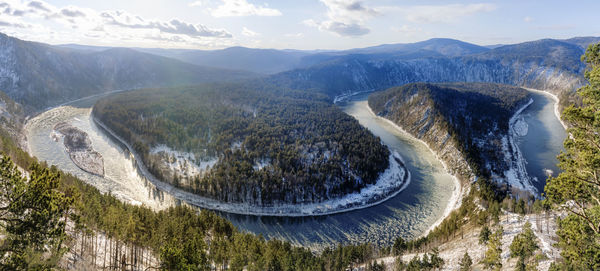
<point x="330" y="150"/>
<point x="404" y="213"/>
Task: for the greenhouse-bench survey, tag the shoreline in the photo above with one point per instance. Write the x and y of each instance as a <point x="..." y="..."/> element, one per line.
<point x="455" y="200"/>
<point x="334" y="206"/>
<point x="519" y="160"/>
<point x="556" y="102"/>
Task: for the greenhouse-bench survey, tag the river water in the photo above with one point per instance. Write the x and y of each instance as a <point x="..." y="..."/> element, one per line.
<point x="409" y="214"/>
<point x="543" y="141"/>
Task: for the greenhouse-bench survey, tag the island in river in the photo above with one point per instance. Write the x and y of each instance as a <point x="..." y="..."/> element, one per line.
<point x="79" y="147"/>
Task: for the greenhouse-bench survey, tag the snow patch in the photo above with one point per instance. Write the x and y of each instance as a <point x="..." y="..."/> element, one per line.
<point x="521" y="127"/>
<point x="183" y="162"/>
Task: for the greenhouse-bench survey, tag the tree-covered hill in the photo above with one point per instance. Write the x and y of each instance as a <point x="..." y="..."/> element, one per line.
<point x="545" y="64"/>
<point x="40" y="75"/>
<point x="467" y="124"/>
<point x="267" y="145"/>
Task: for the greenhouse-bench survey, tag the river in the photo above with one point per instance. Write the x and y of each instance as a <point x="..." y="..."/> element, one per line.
<point x="543" y="140"/>
<point x="409" y="214"/>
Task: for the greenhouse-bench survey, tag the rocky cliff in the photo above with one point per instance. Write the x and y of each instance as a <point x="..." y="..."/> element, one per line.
<point x="465" y="124"/>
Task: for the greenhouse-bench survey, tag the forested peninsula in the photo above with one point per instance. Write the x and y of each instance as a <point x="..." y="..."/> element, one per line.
<point x="255" y="144"/>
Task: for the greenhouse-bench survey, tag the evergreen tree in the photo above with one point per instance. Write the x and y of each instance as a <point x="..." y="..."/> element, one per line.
<point x="484" y="235"/>
<point x="33" y="217"/>
<point x="523" y="246"/>
<point x="492" y="259"/>
<point x="466" y="262"/>
<point x="579" y="184"/>
<point x="399" y="246"/>
<point x="435" y="260"/>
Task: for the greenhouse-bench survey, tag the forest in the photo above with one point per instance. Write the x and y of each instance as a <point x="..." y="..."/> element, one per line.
<point x="271" y="145"/>
<point x="475" y="116"/>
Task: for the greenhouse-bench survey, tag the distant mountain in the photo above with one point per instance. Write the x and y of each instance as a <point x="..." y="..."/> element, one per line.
<point x="583" y="42"/>
<point x="440" y="46"/>
<point x="266" y="61"/>
<point x="40" y="75"/>
<point x="545" y="64"/>
<point x="271" y="61"/>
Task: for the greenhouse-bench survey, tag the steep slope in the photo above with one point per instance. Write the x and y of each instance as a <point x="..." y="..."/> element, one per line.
<point x="466" y="124"/>
<point x="544" y="64"/>
<point x="39" y="75"/>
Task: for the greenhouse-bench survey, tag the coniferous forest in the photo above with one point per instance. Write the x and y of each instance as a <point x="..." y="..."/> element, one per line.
<point x="271" y="145"/>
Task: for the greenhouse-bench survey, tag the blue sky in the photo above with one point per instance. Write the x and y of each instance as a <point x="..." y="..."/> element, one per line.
<point x="301" y="24"/>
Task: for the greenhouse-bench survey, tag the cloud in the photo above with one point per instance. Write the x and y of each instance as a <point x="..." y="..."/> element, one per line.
<point x="248" y="33"/>
<point x="72" y="12"/>
<point x="198" y="3"/>
<point x="345" y="18"/>
<point x="77" y="23"/>
<point x="175" y="26"/>
<point x="39" y="5"/>
<point x="236" y="8"/>
<point x="11" y="24"/>
<point x="441" y="13"/>
<point x="527" y="19"/>
<point x="340" y="28"/>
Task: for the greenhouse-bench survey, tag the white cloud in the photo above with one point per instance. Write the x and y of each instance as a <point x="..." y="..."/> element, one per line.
<point x="198" y="3"/>
<point x="527" y="19"/>
<point x="345" y="17"/>
<point x="441" y="13"/>
<point x="105" y="26"/>
<point x="235" y="8"/>
<point x="174" y="26"/>
<point x="248" y="33"/>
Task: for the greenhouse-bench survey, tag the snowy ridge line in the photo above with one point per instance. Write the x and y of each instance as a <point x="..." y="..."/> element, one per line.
<point x="391" y="182"/>
<point x="517" y="175"/>
<point x="556" y="102"/>
<point x="458" y="192"/>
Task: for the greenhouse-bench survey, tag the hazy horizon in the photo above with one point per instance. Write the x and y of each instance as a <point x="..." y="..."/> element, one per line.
<point x="301" y="25"/>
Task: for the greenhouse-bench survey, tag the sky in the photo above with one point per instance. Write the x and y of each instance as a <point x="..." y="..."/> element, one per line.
<point x="286" y="24"/>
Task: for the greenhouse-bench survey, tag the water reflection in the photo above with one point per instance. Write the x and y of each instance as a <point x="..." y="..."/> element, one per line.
<point x="544" y="139"/>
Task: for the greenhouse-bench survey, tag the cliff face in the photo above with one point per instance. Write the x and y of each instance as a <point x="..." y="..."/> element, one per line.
<point x="465" y="124"/>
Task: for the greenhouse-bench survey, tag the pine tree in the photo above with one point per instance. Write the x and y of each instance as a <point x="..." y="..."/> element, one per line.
<point x="523" y="246"/>
<point x="577" y="188"/>
<point x="466" y="262"/>
<point x="492" y="259"/>
<point x="484" y="235"/>
<point x="33" y="217"/>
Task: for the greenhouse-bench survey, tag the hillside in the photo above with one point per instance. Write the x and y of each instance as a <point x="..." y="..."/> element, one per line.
<point x="256" y="144"/>
<point x="40" y="75"/>
<point x="466" y="124"/>
<point x="544" y="64"/>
